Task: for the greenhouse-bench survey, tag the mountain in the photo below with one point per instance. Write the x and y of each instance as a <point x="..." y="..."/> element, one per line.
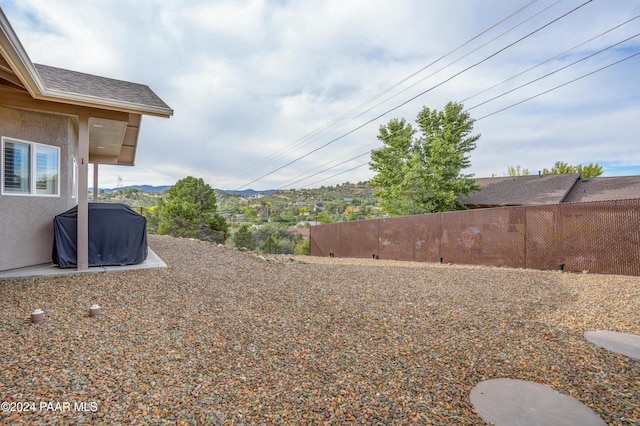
<point x="160" y="189"/>
<point x="249" y="192"/>
<point x="143" y="188"/>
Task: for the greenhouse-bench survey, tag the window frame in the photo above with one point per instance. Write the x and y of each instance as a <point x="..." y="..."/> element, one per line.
<point x="33" y="191"/>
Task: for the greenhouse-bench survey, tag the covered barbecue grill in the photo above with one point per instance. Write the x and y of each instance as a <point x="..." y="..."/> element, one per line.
<point x="117" y="236"/>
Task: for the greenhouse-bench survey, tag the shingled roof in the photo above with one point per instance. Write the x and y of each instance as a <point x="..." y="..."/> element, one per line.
<point x="550" y="189"/>
<point x="521" y="190"/>
<point x="65" y="87"/>
<point x="604" y="189"/>
<point x="100" y="88"/>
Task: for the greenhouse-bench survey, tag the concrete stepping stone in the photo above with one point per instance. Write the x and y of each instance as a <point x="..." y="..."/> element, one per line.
<point x="522" y="403"/>
<point x="622" y="343"/>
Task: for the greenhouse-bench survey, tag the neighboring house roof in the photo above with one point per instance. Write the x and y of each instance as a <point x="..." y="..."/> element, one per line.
<point x="521" y="190"/>
<point x="305" y="232"/>
<point x="551" y="189"/>
<point x="604" y="189"/>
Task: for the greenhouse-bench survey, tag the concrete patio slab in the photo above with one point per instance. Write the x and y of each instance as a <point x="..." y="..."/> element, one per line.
<point x="50" y="269"/>
<point x="522" y="403"/>
<point x="622" y="343"/>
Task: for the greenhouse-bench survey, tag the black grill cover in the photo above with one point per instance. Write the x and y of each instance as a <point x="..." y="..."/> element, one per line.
<point x="117" y="236"/>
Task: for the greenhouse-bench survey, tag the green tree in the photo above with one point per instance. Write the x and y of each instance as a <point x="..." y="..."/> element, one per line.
<point x="250" y="213"/>
<point x="244" y="237"/>
<point x="325" y="218"/>
<point x="590" y="170"/>
<point x="274" y="238"/>
<point x="517" y="171"/>
<point x="560" y="168"/>
<point x="188" y="209"/>
<point x="424" y="174"/>
<point x="152" y="219"/>
<point x="302" y="247"/>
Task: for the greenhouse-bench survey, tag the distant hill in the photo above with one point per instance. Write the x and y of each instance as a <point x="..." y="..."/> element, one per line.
<point x="144" y="188"/>
<point x="160" y="189"/>
<point x="249" y="192"/>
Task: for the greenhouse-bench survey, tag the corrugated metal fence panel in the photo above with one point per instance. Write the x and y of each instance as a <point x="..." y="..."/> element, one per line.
<point x="324" y="239"/>
<point x="601" y="237"/>
<point x="426" y="238"/>
<point x="484" y="237"/>
<point x="397" y="238"/>
<point x="359" y="238"/>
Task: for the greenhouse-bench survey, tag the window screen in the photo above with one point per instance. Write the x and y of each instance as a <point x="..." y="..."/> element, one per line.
<point x="30" y="168"/>
<point x="17" y="160"/>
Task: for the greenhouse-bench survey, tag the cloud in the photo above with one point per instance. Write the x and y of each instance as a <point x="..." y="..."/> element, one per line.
<point x="257" y="84"/>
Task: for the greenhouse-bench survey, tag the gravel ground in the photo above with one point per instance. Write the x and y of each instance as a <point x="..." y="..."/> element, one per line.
<point x="225" y="337"/>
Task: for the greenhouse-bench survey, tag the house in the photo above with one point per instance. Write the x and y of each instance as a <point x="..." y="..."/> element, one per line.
<point x="299" y="230"/>
<point x="53" y="123"/>
<point x="550" y="189"/>
<point x="604" y="189"/>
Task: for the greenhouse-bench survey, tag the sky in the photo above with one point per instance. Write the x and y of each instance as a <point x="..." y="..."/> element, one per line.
<point x="280" y="94"/>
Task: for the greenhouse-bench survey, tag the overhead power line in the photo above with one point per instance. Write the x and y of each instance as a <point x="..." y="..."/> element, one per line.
<point x="343" y="117"/>
<point x="327" y="169"/>
<point x="496" y="97"/>
<point x="337" y="174"/>
<point x="552" y="72"/>
<point x="457" y="60"/>
<point x="418" y="95"/>
<point x="309" y="137"/>
<point x="550" y="59"/>
<point x="559" y="86"/>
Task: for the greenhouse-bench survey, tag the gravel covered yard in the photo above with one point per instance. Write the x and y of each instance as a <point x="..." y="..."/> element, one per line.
<point x="225" y="337"/>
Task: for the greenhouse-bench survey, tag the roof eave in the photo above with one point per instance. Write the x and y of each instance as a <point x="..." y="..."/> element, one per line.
<point x="17" y="57"/>
<point x="94" y="102"/>
<point x="19" y="60"/>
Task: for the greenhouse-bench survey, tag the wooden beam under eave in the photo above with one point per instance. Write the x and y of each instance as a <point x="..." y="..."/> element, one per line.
<point x="9" y="85"/>
<point x="127" y="156"/>
<point x="22" y="100"/>
<point x="104" y="159"/>
<point x="11" y="78"/>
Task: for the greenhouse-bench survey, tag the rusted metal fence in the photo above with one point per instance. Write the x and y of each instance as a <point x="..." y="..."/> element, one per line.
<point x="600" y="237"/>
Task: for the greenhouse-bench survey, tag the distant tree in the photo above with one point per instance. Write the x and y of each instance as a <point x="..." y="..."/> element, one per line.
<point x="302" y="247"/>
<point x="590" y="170"/>
<point x="250" y="213"/>
<point x="274" y="238"/>
<point x="325" y="218"/>
<point x="517" y="171"/>
<point x="188" y="209"/>
<point x="152" y="219"/>
<point x="424" y="174"/>
<point x="559" y="168"/>
<point x="243" y="237"/>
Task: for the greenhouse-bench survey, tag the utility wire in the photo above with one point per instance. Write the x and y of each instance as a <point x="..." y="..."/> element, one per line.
<point x="503" y="109"/>
<point x="337" y="174"/>
<point x="343" y="117"/>
<point x="324" y="170"/>
<point x="309" y="137"/>
<point x="559" y="86"/>
<point x="457" y="60"/>
<point x="552" y="72"/>
<point x="418" y="95"/>
<point x="550" y="59"/>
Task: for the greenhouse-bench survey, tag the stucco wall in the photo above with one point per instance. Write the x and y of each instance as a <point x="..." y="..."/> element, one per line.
<point x="26" y="231"/>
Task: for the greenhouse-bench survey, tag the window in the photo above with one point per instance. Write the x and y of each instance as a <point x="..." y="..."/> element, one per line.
<point x="30" y="168"/>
